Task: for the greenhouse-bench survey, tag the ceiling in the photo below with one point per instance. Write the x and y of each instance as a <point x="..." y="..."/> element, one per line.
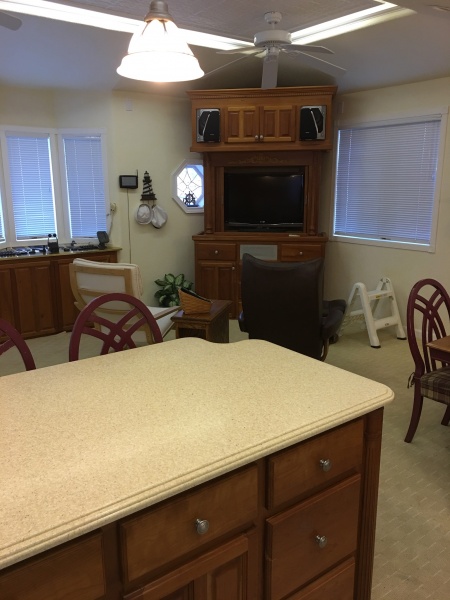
<point x="412" y="46"/>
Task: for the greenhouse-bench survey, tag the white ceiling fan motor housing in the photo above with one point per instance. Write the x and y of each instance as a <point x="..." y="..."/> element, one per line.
<point x="272" y="37"/>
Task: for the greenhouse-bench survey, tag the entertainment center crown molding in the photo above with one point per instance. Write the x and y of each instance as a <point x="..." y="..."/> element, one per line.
<point x="257" y="128"/>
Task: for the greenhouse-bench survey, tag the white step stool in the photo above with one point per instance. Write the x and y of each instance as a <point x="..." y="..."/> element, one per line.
<point x="369" y="304"/>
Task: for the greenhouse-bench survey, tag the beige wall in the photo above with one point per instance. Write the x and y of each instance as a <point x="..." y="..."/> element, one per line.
<point x="144" y="132"/>
<point x="152" y="133"/>
<point x="348" y="263"/>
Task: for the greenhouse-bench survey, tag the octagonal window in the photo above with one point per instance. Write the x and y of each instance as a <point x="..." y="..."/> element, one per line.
<point x="187" y="186"/>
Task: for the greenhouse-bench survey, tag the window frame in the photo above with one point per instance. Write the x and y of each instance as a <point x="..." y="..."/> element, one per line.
<point x="379" y="121"/>
<point x="60" y="193"/>
<point x="183" y="165"/>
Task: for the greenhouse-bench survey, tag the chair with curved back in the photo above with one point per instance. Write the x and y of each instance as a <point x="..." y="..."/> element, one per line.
<point x="283" y="303"/>
<point x="11" y="338"/>
<point x="90" y="279"/>
<point x="428" y="309"/>
<point x="117" y="334"/>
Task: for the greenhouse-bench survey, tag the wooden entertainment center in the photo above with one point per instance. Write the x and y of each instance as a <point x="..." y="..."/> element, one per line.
<point x="258" y="128"/>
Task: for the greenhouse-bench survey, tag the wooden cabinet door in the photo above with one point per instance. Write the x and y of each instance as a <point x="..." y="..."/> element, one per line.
<point x="227" y="572"/>
<point x="242" y="124"/>
<point x="36" y="303"/>
<point x="6" y="296"/>
<point x="217" y="280"/>
<point x="277" y="124"/>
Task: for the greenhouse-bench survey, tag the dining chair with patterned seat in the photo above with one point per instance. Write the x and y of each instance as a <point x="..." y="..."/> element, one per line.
<point x="11" y="338"/>
<point x="427" y="319"/>
<point x="114" y="319"/>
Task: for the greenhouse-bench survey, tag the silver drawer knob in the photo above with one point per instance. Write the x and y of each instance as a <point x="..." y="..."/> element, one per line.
<point x="256" y="137"/>
<point x="216" y="252"/>
<point x="325" y="464"/>
<point x="202" y="526"/>
<point x="300" y="253"/>
<point x="321" y="541"/>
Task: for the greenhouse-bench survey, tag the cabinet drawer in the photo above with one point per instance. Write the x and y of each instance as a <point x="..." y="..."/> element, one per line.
<point x="299" y="252"/>
<point x="74" y="572"/>
<point x="216" y="251"/>
<point x="168" y="532"/>
<point x="337" y="584"/>
<point x="294" y="553"/>
<point x="298" y="470"/>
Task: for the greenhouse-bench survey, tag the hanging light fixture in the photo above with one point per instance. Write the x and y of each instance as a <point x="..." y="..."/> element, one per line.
<point x="158" y="52"/>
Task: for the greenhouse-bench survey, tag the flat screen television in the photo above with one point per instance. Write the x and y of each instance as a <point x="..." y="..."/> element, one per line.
<point x="264" y="198"/>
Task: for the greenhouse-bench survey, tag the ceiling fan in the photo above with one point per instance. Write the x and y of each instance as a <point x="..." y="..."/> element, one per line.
<point x="268" y="45"/>
<point x="9" y="21"/>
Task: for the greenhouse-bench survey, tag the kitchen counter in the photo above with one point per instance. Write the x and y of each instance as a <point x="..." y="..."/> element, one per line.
<point x="88" y="442"/>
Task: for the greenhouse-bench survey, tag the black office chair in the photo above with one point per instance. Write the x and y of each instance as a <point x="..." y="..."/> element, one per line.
<point x="283" y="303"/>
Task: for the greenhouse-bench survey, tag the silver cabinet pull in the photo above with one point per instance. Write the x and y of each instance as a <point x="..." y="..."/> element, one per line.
<point x="261" y="137"/>
<point x="325" y="464"/>
<point x="256" y="138"/>
<point x="202" y="526"/>
<point x="321" y="541"/>
<point x="216" y="252"/>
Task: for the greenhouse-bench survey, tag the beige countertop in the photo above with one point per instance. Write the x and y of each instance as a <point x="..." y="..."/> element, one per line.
<point x="85" y="443"/>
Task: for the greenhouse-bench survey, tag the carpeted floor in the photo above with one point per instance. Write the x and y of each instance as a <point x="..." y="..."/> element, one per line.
<point x="412" y="553"/>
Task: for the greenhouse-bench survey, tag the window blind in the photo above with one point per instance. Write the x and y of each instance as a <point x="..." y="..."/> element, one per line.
<point x="385" y="181"/>
<point x="31" y="186"/>
<point x="85" y="184"/>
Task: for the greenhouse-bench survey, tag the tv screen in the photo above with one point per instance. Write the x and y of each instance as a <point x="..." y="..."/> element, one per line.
<point x="264" y="199"/>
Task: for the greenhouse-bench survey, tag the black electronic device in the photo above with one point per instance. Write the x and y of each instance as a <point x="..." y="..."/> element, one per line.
<point x="208" y="125"/>
<point x="103" y="238"/>
<point x="264" y="198"/>
<point x="312" y="123"/>
<point x="129" y="182"/>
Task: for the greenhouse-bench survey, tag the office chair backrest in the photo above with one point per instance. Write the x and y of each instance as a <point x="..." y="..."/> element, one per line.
<point x="116" y="334"/>
<point x="11" y="338"/>
<point x="283" y="303"/>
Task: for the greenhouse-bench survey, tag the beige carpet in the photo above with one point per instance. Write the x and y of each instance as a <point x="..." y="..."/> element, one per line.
<point x="412" y="553"/>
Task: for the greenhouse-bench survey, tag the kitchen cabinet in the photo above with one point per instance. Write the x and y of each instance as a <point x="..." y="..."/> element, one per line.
<point x="36" y="294"/>
<point x="260" y="124"/>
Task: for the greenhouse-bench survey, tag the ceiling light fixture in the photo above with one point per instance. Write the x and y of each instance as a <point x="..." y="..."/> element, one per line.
<point x="158" y="52"/>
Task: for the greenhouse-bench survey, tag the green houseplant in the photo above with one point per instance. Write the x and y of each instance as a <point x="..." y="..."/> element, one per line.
<point x="168" y="295"/>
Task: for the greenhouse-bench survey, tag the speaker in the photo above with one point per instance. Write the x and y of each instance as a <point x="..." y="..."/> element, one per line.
<point x="312" y="122"/>
<point x="208" y="125"/>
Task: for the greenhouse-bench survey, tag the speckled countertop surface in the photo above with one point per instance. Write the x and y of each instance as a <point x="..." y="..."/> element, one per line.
<point x="85" y="443"/>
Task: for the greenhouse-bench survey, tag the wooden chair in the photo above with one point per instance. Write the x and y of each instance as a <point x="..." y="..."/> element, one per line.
<point x="90" y="279"/>
<point x="117" y="334"/>
<point x="11" y="338"/>
<point x="428" y="309"/>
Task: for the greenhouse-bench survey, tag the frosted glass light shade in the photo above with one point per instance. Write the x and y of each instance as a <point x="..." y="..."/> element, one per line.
<point x="157" y="52"/>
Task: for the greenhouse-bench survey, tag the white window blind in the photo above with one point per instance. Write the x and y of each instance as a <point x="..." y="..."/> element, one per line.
<point x="31" y="185"/>
<point x="385" y="181"/>
<point x="2" y="227"/>
<point x="85" y="184"/>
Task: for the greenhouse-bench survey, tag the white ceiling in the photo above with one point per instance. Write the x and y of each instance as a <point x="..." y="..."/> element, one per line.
<point x="46" y="53"/>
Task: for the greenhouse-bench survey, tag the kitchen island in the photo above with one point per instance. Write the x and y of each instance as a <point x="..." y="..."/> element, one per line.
<point x="189" y="470"/>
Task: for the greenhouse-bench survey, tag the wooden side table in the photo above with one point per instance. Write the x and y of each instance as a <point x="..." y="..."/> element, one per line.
<point x="212" y="326"/>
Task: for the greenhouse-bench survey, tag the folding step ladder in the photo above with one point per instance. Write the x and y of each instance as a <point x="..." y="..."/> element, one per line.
<point x="370" y="302"/>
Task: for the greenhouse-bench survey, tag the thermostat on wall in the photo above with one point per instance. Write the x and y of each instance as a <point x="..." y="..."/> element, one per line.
<point x="129" y="182"/>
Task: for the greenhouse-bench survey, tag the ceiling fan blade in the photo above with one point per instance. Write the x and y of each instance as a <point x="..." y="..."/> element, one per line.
<point x="307" y="48"/>
<point x="270" y="72"/>
<point x="9" y="22"/>
<point x="245" y="50"/>
<point x="224" y="66"/>
<point x="316" y="63"/>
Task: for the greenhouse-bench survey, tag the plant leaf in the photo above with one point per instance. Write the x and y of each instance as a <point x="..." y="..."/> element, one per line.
<point x="169" y="278"/>
<point x="179" y="279"/>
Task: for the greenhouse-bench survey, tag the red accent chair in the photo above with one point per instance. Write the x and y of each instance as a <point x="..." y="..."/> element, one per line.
<point x="116" y="333"/>
<point x="428" y="311"/>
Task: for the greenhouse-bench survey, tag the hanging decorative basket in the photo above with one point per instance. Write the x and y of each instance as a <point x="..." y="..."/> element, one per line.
<point x="192" y="303"/>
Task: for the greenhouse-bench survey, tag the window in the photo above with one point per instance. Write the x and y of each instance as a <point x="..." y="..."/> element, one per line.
<point x="187" y="186"/>
<point x="386" y="186"/>
<point x="54" y="183"/>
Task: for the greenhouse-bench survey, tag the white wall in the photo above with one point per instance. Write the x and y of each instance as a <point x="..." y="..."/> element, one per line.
<point x="348" y="263"/>
<point x="144" y="132"/>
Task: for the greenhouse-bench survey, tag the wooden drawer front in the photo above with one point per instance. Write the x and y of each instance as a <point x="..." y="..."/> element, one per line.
<point x="299" y="252"/>
<point x="337" y="584"/>
<point x="298" y="470"/>
<point x="169" y="532"/>
<point x="72" y="573"/>
<point x="216" y="251"/>
<point x="294" y="554"/>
